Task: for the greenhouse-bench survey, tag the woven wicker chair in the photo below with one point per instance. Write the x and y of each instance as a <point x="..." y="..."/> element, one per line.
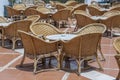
<point x="95" y="11"/>
<point x="117" y="57"/>
<point x="3" y="19"/>
<point x="33" y="18"/>
<point x="111" y="22"/>
<point x="36" y="49"/>
<point x="71" y="3"/>
<point x="19" y="6"/>
<point x="43" y="29"/>
<point x="81" y="6"/>
<point x="110" y="13"/>
<point x="81" y="47"/>
<point x="60" y="6"/>
<point x="59" y="17"/>
<point x="10" y="31"/>
<point x="93" y="28"/>
<point x="43" y="9"/>
<point x="31" y="11"/>
<point x="82" y="19"/>
<point x="12" y="12"/>
<point x="116" y="44"/>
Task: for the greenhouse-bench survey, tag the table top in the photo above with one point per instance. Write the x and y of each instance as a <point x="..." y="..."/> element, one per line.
<point x="61" y="36"/>
<point x="99" y="17"/>
<point x="5" y="24"/>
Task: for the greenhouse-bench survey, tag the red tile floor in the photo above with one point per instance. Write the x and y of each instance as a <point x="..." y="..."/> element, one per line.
<point x="10" y="60"/>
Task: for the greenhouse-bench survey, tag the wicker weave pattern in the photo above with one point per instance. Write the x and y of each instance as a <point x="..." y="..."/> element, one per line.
<point x="43" y="9"/>
<point x="117" y="57"/>
<point x="43" y="29"/>
<point x="83" y="19"/>
<point x="95" y="11"/>
<point x="11" y="31"/>
<point x="33" y="18"/>
<point x="92" y="28"/>
<point x="12" y="12"/>
<point x="31" y="11"/>
<point x="110" y="13"/>
<point x="116" y="45"/>
<point x="71" y="3"/>
<point x="81" y="47"/>
<point x="36" y="48"/>
<point x="81" y="6"/>
<point x="19" y="6"/>
<point x="2" y="19"/>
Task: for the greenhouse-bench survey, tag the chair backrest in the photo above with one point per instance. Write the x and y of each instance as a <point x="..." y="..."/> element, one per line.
<point x="3" y="19"/>
<point x="109" y="22"/>
<point x="59" y="14"/>
<point x="45" y="29"/>
<point x="95" y="11"/>
<point x="19" y="6"/>
<point x="82" y="45"/>
<point x="43" y="9"/>
<point x="110" y="13"/>
<point x="36" y="46"/>
<point x="33" y="18"/>
<point x="12" y="12"/>
<point x="116" y="44"/>
<point x="83" y="19"/>
<point x="81" y="6"/>
<point x="27" y="43"/>
<point x="31" y="11"/>
<point x="92" y="28"/>
<point x="11" y="30"/>
<point x="71" y="3"/>
<point x="60" y="6"/>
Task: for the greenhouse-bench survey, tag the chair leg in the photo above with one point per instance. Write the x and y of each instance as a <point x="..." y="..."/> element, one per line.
<point x="79" y="66"/>
<point x="23" y="59"/>
<point x="98" y="62"/>
<point x="61" y="60"/>
<point x="35" y="65"/>
<point x="99" y="48"/>
<point x="13" y="46"/>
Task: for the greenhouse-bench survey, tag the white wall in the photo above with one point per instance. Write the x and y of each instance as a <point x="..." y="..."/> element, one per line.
<point x="2" y="4"/>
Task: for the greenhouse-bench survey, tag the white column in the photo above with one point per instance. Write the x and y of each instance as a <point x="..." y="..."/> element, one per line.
<point x="2" y="4"/>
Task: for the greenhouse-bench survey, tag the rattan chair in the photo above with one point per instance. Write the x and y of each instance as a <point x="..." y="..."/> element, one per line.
<point x="83" y="19"/>
<point x="36" y="48"/>
<point x="111" y="22"/>
<point x="93" y="28"/>
<point x="12" y="12"/>
<point x="81" y="6"/>
<point x="110" y="13"/>
<point x="33" y="18"/>
<point x="95" y="11"/>
<point x="3" y="19"/>
<point x="81" y="47"/>
<point x="43" y="9"/>
<point x="60" y="6"/>
<point x="116" y="45"/>
<point x="117" y="57"/>
<point x="31" y="11"/>
<point x="10" y="32"/>
<point x="44" y="29"/>
<point x="71" y="3"/>
<point x="19" y="6"/>
<point x="60" y="18"/>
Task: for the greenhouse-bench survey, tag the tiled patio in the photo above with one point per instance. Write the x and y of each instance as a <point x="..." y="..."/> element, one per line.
<point x="10" y="70"/>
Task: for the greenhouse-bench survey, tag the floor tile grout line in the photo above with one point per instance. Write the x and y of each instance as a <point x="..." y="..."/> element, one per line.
<point x="66" y="75"/>
<point x="11" y="62"/>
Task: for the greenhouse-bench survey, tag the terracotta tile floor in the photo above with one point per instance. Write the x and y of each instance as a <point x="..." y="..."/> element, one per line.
<point x="10" y="60"/>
